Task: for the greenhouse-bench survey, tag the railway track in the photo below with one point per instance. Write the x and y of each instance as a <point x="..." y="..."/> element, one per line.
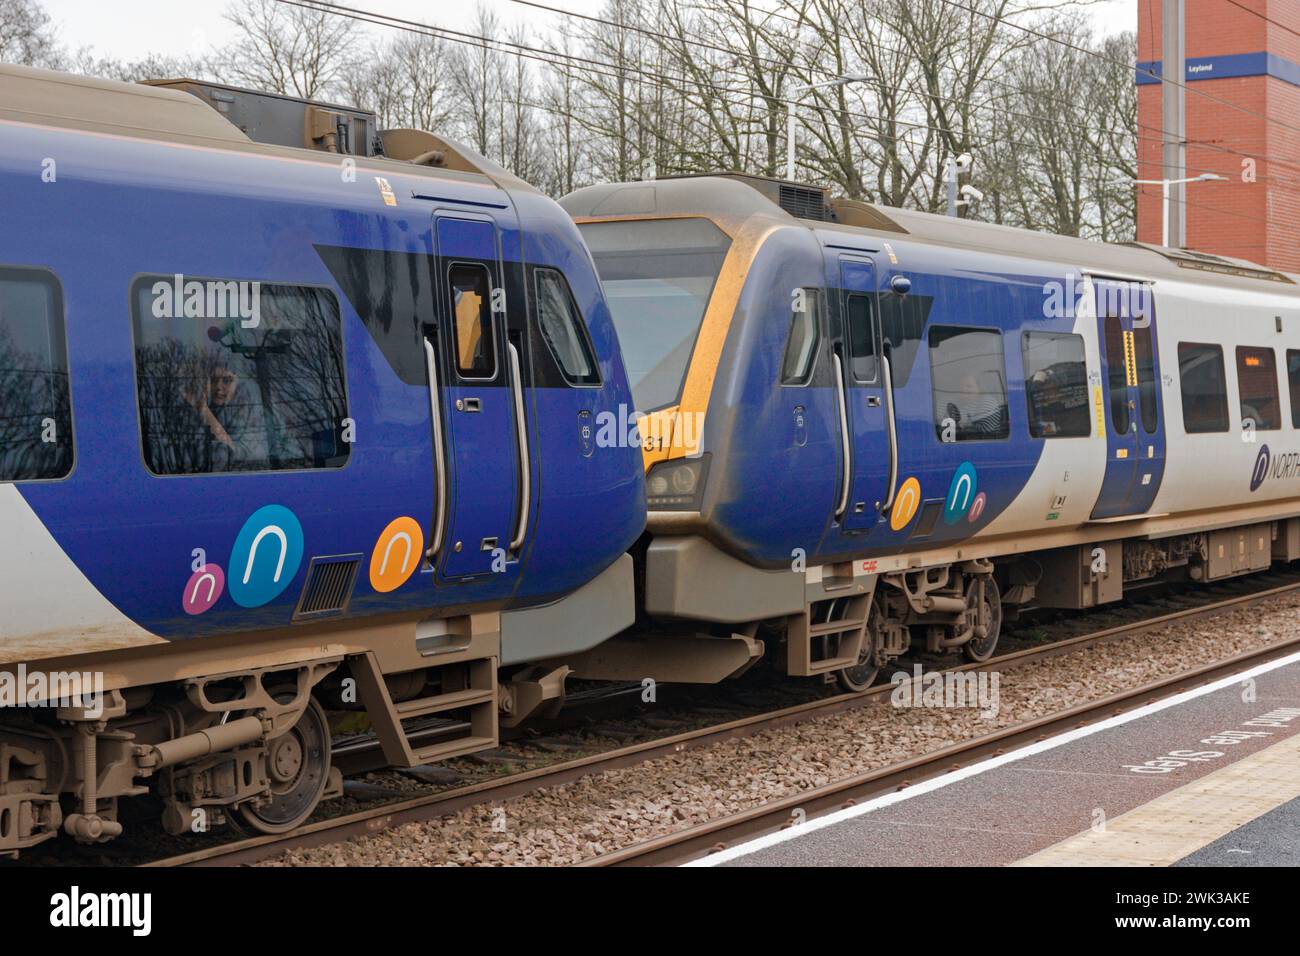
<point x="698" y="840"/>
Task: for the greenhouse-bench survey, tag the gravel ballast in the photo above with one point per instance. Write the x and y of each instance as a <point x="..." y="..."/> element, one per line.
<point x="597" y="814"/>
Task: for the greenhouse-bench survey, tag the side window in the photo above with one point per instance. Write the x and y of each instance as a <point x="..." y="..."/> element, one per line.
<point x="471" y="309"/>
<point x="1056" y="385"/>
<point x="1257" y="388"/>
<point x="1293" y="384"/>
<point x="801" y="345"/>
<point x="562" y="328"/>
<point x="862" y="337"/>
<point x="1116" y="375"/>
<point x="36" y="421"/>
<point x="1205" y="393"/>
<point x="238" y="376"/>
<point x="970" y="390"/>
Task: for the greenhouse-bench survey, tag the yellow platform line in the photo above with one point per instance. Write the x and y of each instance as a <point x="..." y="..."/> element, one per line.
<point x="1168" y="828"/>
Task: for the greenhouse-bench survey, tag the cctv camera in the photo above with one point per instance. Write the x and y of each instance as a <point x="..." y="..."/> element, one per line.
<point x="970" y="192"/>
<point x="964" y="162"/>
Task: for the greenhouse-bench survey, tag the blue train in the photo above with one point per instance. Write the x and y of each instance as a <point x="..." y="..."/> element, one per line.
<point x="282" y="424"/>
<point x="867" y="427"/>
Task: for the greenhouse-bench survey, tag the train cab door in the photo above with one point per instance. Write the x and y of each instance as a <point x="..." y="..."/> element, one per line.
<point x="476" y="403"/>
<point x="861" y="379"/>
<point x="1131" y="402"/>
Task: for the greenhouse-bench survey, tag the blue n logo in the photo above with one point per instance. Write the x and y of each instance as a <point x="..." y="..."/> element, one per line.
<point x="961" y="493"/>
<point x="266" y="556"/>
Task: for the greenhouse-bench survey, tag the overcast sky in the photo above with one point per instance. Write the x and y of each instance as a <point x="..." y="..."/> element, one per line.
<point x="131" y="29"/>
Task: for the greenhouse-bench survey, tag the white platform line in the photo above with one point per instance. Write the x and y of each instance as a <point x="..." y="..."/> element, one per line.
<point x="937" y="783"/>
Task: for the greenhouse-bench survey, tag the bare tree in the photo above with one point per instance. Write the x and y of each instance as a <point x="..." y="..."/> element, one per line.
<point x="26" y="36"/>
<point x="476" y="77"/>
<point x="644" y="88"/>
<point x="286" y="49"/>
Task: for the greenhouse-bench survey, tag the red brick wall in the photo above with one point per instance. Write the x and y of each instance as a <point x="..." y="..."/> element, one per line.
<point x="1251" y="220"/>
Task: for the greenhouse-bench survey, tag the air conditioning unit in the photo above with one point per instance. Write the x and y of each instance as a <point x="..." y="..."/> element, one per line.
<point x="286" y="120"/>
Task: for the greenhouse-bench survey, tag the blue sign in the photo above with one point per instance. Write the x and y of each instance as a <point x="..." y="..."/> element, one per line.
<point x="1223" y="67"/>
<point x="266" y="556"/>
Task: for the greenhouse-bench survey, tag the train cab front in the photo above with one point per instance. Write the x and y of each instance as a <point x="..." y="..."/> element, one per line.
<point x="673" y="258"/>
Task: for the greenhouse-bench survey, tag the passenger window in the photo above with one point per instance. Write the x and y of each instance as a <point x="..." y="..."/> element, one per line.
<point x="238" y="376"/>
<point x="970" y="391"/>
<point x="1293" y="383"/>
<point x="1116" y="375"/>
<point x="1056" y="385"/>
<point x="1205" y="394"/>
<point x="1257" y="389"/>
<point x="561" y="325"/>
<point x="801" y="344"/>
<point x="36" y="421"/>
<point x="471" y="309"/>
<point x="862" y="337"/>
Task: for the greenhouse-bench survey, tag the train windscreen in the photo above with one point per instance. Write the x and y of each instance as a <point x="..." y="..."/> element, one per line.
<point x="658" y="275"/>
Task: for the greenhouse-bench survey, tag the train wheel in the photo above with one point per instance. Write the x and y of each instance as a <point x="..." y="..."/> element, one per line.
<point x="983" y="609"/>
<point x="856" y="679"/>
<point x="299" y="766"/>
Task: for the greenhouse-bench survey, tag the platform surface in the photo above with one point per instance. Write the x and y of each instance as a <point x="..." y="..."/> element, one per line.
<point x="1207" y="777"/>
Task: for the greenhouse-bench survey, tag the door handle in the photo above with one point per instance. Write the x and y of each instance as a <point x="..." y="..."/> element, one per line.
<point x="469" y="405"/>
<point x="439" y="455"/>
<point x="873" y="401"/>
<point x="890" y="428"/>
<point x="844" y="436"/>
<point x="525" y="463"/>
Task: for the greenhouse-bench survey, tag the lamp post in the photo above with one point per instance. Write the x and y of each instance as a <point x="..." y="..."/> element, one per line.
<point x="1164" y="185"/>
<point x="791" y="131"/>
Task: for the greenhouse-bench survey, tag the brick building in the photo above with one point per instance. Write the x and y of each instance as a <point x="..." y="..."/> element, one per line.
<point x="1238" y="56"/>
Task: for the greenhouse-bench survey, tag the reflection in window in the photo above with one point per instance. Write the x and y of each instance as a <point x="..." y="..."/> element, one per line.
<point x="1257" y="388"/>
<point x="1056" y="384"/>
<point x="561" y="325"/>
<point x="35" y="411"/>
<point x="862" y="337"/>
<point x="970" y="391"/>
<point x="471" y="304"/>
<point x="801" y="345"/>
<point x="1205" y="393"/>
<point x="658" y="275"/>
<point x="217" y="396"/>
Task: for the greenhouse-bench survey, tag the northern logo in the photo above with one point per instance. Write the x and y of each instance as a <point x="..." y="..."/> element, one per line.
<point x="1260" y="472"/>
<point x="1270" y="467"/>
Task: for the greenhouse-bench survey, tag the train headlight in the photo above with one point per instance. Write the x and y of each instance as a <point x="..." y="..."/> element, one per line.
<point x="677" y="485"/>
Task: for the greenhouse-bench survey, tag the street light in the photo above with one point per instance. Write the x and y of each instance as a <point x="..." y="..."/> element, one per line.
<point x="795" y="93"/>
<point x="1164" y="185"/>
